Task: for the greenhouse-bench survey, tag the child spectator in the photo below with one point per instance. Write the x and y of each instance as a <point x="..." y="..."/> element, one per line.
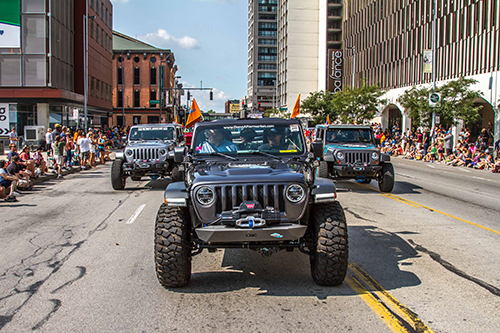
<point x="23" y="176"/>
<point x="40" y="162"/>
<point x="58" y="154"/>
<point x="7" y="181"/>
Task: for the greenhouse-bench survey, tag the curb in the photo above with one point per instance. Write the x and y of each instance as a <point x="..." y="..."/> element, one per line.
<point x="52" y="175"/>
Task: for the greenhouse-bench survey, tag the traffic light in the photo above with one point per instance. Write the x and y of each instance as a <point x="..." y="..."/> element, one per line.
<point x="181" y="112"/>
<point x="259" y="105"/>
<point x="189" y="96"/>
<point x="211" y="95"/>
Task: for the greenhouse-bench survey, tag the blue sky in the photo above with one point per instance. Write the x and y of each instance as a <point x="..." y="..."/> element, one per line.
<point x="207" y="37"/>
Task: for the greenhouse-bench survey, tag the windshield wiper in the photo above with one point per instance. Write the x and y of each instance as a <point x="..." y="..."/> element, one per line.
<point x="216" y="153"/>
<point x="277" y="158"/>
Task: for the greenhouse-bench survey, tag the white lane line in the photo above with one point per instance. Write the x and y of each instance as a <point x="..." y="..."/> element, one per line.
<point x="431" y="166"/>
<point x="136" y="214"/>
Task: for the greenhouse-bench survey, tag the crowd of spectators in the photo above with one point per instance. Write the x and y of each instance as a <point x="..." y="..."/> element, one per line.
<point x="438" y="146"/>
<point x="65" y="148"/>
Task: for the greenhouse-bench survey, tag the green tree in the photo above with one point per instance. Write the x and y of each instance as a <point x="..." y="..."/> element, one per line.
<point x="457" y="103"/>
<point x="350" y="105"/>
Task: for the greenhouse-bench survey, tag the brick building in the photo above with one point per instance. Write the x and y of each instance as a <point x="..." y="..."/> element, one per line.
<point x="136" y="82"/>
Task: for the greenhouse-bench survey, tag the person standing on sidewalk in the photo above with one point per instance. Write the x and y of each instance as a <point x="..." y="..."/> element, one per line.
<point x="13" y="137"/>
<point x="48" y="141"/>
<point x="448" y="143"/>
<point x="58" y="154"/>
<point x="84" y="144"/>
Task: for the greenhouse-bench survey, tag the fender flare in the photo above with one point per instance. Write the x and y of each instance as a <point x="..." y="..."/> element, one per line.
<point x="176" y="194"/>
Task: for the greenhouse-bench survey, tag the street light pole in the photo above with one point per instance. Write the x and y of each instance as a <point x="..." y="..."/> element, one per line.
<point x="86" y="60"/>
<point x="434" y="62"/>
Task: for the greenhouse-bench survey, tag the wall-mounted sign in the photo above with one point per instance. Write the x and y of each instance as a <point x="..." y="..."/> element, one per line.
<point x="4" y="119"/>
<point x="10" y="23"/>
<point x="234" y="107"/>
<point x="335" y="60"/>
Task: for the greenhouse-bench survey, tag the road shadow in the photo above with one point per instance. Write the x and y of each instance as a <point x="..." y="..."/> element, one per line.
<point x="400" y="187"/>
<point x="379" y="253"/>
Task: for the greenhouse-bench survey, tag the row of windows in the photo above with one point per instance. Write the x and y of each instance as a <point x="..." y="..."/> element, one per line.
<point x="136" y="99"/>
<point x="100" y="89"/>
<point x="266" y="33"/>
<point x="153" y="77"/>
<point x="263" y="41"/>
<point x="268" y="9"/>
<point x="268" y="25"/>
<point x="467" y="43"/>
<point x="101" y="36"/>
<point x="101" y="11"/>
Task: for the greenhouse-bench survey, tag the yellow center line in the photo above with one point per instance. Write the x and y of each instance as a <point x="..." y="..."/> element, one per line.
<point x="394" y="314"/>
<point x="417" y="205"/>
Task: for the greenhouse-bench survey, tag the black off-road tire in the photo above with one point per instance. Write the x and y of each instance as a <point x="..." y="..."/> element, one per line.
<point x="330" y="256"/>
<point x="117" y="177"/>
<point x="323" y="170"/>
<point x="172" y="247"/>
<point x="386" y="179"/>
<point x="176" y="174"/>
<point x="136" y="178"/>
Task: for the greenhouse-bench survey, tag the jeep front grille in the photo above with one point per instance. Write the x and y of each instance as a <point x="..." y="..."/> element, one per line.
<point x="146" y="154"/>
<point x="231" y="196"/>
<point x="357" y="157"/>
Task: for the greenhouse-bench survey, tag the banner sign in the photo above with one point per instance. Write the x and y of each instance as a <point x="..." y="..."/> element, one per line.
<point x="4" y="119"/>
<point x="335" y="60"/>
<point x="10" y="23"/>
<point x="427" y="61"/>
<point x="234" y="108"/>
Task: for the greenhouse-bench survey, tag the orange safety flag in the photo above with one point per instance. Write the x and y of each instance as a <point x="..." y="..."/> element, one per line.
<point x="328" y="120"/>
<point x="194" y="115"/>
<point x="177" y="120"/>
<point x="296" y="107"/>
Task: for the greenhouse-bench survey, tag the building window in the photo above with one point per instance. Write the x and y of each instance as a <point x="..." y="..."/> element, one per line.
<point x="137" y="120"/>
<point x="120" y="75"/>
<point x="97" y="7"/>
<point x="119" y="121"/>
<point x="120" y="98"/>
<point x="137" y="99"/>
<point x="97" y="86"/>
<point x="98" y="32"/>
<point x="153" y="75"/>
<point x="92" y="29"/>
<point x="137" y="75"/>
<point x="153" y="119"/>
<point x="152" y="95"/>
<point x="91" y="86"/>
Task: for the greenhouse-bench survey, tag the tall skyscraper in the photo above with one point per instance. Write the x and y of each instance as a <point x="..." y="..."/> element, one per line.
<point x="262" y="53"/>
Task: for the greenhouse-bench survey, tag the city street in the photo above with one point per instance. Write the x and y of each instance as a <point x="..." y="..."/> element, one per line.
<point x="77" y="256"/>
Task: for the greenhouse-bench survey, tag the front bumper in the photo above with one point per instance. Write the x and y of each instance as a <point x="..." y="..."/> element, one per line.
<point x="145" y="166"/>
<point x="225" y="234"/>
<point x="356" y="171"/>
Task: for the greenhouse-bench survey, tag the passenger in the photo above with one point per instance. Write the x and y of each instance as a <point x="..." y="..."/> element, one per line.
<point x="275" y="140"/>
<point x="217" y="143"/>
<point x="247" y="135"/>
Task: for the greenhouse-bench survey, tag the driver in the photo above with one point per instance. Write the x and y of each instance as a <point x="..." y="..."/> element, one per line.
<point x="216" y="142"/>
<point x="247" y="135"/>
<point x="275" y="140"/>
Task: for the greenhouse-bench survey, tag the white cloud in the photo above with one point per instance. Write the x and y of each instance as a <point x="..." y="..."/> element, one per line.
<point x="163" y="39"/>
<point x="203" y="98"/>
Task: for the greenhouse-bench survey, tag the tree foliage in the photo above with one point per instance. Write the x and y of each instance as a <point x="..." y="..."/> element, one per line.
<point x="351" y="105"/>
<point x="457" y="103"/>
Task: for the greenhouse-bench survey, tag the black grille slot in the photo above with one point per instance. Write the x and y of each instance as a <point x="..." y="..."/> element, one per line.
<point x="357" y="157"/>
<point x="219" y="200"/>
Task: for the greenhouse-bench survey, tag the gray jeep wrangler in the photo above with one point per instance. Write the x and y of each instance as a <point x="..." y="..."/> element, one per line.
<point x="149" y="152"/>
<point x="250" y="183"/>
<point x="350" y="152"/>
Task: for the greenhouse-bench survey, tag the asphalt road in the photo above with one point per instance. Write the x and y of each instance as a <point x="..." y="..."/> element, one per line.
<point x="423" y="258"/>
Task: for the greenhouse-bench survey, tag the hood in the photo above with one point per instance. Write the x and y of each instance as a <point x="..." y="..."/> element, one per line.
<point x="149" y="144"/>
<point x="247" y="174"/>
<point x="353" y="146"/>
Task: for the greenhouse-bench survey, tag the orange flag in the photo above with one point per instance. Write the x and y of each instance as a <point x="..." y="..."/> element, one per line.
<point x="296" y="107"/>
<point x="328" y="120"/>
<point x="177" y="120"/>
<point x="194" y="115"/>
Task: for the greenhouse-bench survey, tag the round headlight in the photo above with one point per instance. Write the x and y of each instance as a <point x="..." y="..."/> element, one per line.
<point x="375" y="156"/>
<point x="340" y="155"/>
<point x="162" y="152"/>
<point x="205" y="196"/>
<point x="129" y="152"/>
<point x="295" y="193"/>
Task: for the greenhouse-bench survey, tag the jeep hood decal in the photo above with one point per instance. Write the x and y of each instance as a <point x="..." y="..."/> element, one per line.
<point x="354" y="146"/>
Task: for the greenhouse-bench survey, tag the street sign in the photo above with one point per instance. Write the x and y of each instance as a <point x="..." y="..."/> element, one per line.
<point x="434" y="99"/>
<point x="283" y="109"/>
<point x="437" y="119"/>
<point x="154" y="101"/>
<point x="4" y="119"/>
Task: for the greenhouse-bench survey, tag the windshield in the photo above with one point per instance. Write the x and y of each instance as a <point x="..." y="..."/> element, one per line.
<point x="275" y="139"/>
<point x="335" y="135"/>
<point x="151" y="133"/>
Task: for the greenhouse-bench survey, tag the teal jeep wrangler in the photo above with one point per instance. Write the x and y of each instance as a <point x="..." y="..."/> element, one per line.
<point x="350" y="152"/>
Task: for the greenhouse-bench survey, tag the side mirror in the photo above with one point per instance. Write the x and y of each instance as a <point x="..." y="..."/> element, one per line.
<point x="317" y="149"/>
<point x="179" y="153"/>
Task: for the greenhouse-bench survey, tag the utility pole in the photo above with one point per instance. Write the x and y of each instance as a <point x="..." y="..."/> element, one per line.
<point x="86" y="17"/>
<point x="434" y="62"/>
